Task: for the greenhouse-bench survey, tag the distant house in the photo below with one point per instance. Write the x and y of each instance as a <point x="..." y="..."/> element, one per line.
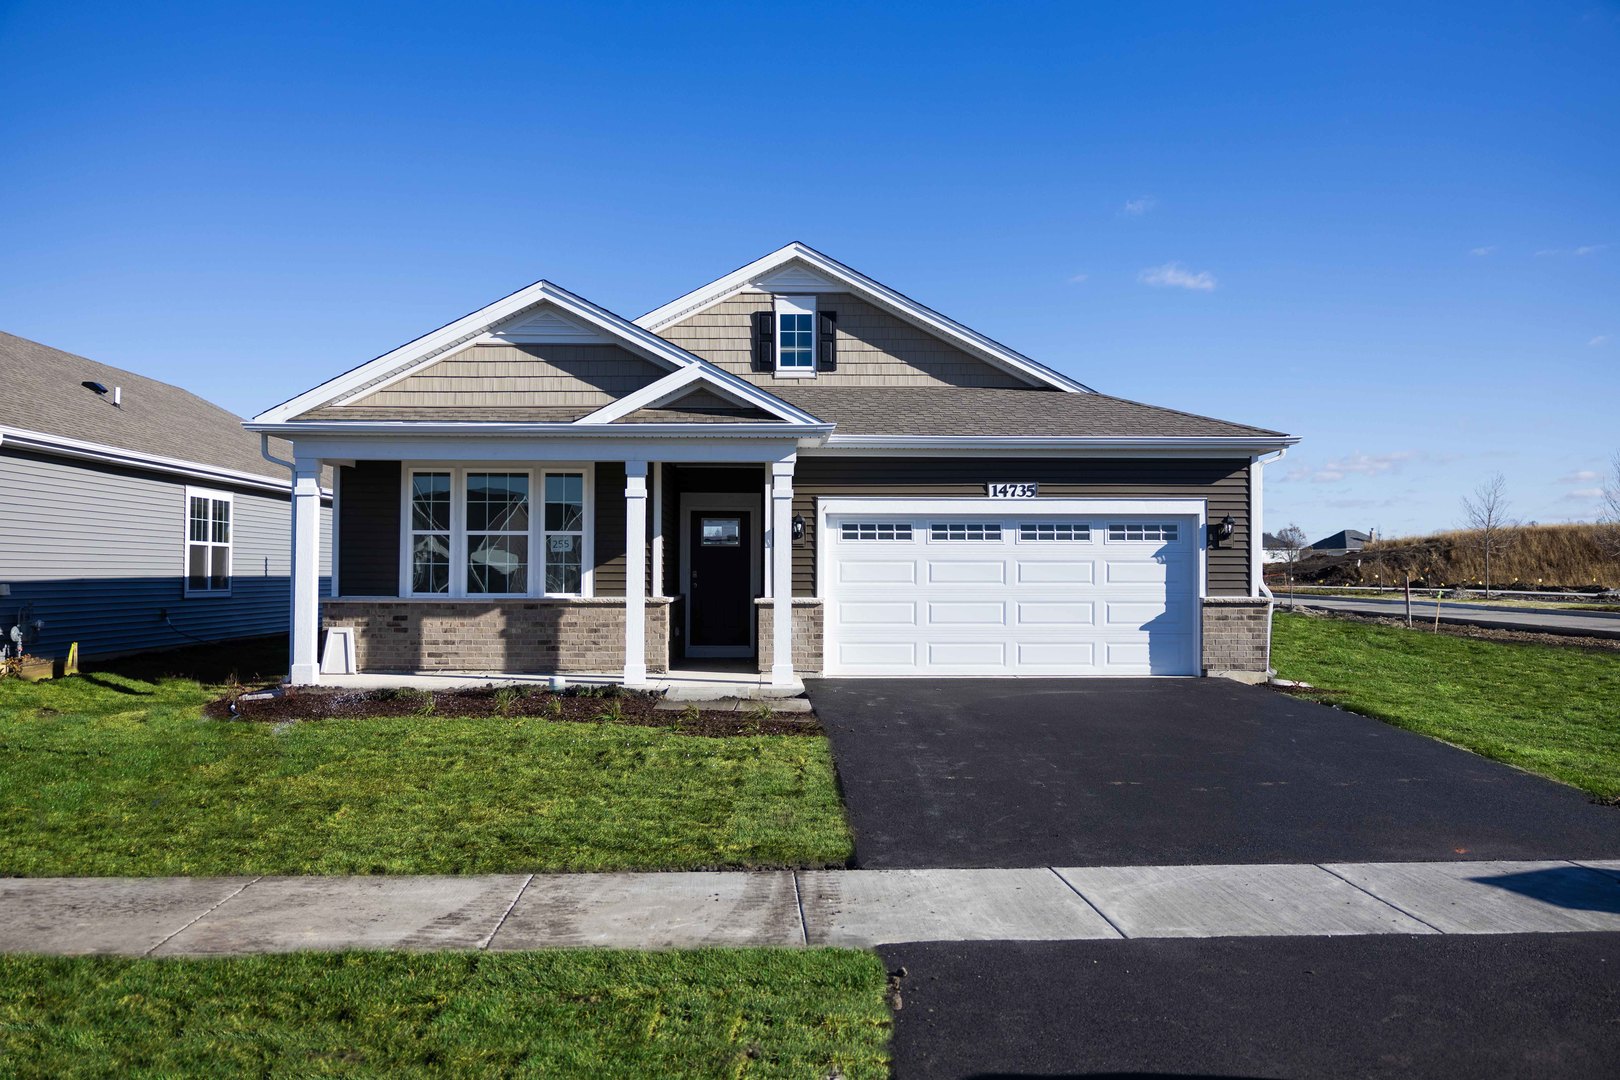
<point x="136" y="515"/>
<point x="1342" y="542"/>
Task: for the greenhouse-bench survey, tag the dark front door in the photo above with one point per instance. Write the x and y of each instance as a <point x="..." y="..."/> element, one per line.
<point x="720" y="592"/>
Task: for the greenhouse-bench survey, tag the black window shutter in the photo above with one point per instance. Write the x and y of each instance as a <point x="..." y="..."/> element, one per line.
<point x="826" y="341"/>
<point x="764" y="341"/>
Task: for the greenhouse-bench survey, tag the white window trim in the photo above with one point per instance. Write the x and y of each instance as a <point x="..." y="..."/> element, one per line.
<point x="186" y="542"/>
<point x="796" y="305"/>
<point x="537" y="531"/>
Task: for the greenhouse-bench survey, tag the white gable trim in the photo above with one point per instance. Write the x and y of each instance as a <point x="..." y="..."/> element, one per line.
<point x="417" y="354"/>
<point x="722" y="382"/>
<point x="773" y="272"/>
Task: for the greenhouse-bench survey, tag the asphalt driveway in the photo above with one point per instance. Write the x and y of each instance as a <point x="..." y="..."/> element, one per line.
<point x="1120" y="772"/>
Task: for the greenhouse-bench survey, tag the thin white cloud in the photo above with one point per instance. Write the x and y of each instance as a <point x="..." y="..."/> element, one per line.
<point x="1078" y="279"/>
<point x="1582" y="476"/>
<point x="1175" y="276"/>
<point x="1138" y="206"/>
<point x="1583" y="494"/>
<point x="1483" y="251"/>
<point x="1601" y="339"/>
<point x="1332" y="472"/>
<point x="1584" y="249"/>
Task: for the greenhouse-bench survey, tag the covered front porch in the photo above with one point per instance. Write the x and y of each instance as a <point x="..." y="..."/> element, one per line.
<point x="655" y="562"/>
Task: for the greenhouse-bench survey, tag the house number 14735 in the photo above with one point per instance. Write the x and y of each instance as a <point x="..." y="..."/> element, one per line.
<point x="1012" y="491"/>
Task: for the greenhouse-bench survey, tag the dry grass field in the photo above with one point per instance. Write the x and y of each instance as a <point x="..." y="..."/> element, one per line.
<point x="1566" y="556"/>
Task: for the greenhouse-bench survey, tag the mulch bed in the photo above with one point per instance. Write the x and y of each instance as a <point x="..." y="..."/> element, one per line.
<point x="588" y="705"/>
<point x="1483" y="633"/>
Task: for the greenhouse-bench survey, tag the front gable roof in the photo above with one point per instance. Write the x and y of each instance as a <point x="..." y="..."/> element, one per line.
<point x="798" y="267"/>
<point x="538" y="312"/>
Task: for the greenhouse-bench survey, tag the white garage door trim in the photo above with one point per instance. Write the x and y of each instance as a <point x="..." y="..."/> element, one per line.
<point x="1194" y="511"/>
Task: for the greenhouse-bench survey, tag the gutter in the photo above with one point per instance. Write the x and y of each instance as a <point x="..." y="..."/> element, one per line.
<point x="482" y="428"/>
<point x="62" y="446"/>
<point x="1245" y="445"/>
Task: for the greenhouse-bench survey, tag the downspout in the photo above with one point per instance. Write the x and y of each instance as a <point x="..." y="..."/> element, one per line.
<point x="1262" y="461"/>
<point x="264" y="451"/>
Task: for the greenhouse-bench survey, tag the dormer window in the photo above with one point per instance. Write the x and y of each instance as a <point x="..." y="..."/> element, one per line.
<point x="795" y="335"/>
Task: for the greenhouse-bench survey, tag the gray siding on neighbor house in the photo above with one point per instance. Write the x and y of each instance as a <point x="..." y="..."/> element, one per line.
<point x="96" y="552"/>
<point x="1225" y="484"/>
<point x="875" y="348"/>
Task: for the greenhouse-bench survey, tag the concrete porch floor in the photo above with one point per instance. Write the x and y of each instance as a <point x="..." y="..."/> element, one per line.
<point x="715" y="679"/>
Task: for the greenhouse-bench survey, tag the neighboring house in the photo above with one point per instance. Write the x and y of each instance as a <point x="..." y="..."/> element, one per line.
<point x="794" y="463"/>
<point x="135" y="515"/>
<point x="1276" y="552"/>
<point x="1342" y="542"/>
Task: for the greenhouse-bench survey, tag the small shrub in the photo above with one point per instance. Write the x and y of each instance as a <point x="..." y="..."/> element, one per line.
<point x="505" y="698"/>
<point x="613" y="714"/>
<point x="691" y="714"/>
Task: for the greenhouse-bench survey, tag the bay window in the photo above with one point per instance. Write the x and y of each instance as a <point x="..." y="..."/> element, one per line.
<point x="473" y="532"/>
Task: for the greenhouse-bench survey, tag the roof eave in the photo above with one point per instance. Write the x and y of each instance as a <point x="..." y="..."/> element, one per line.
<point x="62" y="446"/>
<point x="539" y="429"/>
<point x="1243" y="444"/>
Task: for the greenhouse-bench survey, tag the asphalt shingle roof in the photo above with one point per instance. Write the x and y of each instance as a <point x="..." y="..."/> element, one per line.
<point x="959" y="410"/>
<point x="42" y="392"/>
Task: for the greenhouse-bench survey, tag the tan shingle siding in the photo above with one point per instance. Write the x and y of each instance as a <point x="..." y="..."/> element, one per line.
<point x="519" y="376"/>
<point x="874" y="347"/>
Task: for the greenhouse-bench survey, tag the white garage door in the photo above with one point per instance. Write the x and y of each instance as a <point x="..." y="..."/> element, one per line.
<point x="1010" y="593"/>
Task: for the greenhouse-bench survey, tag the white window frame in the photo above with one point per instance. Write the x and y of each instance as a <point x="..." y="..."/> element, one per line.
<point x="796" y="305"/>
<point x="187" y="543"/>
<point x="537" y="531"/>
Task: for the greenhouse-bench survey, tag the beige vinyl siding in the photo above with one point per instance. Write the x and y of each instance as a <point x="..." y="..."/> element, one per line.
<point x="875" y="348"/>
<point x="520" y="375"/>
<point x="1223" y="483"/>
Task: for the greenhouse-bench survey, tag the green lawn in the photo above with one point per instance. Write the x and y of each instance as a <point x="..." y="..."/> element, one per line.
<point x="104" y="774"/>
<point x="1549" y="709"/>
<point x="712" y="1013"/>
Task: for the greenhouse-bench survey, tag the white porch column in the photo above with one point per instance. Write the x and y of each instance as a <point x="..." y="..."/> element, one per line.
<point x="306" y="572"/>
<point x="781" y="556"/>
<point x="635" y="573"/>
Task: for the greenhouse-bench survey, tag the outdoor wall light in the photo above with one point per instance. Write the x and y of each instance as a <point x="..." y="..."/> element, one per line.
<point x="1225" y="529"/>
<point x="798" y="527"/>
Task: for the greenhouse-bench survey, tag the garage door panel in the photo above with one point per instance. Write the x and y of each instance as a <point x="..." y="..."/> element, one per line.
<point x="897" y="656"/>
<point x="967" y="613"/>
<point x="878" y="613"/>
<point x="1136" y="613"/>
<point x="877" y="572"/>
<point x="1057" y="655"/>
<point x="1075" y="572"/>
<point x="967" y="654"/>
<point x="1159" y="571"/>
<point x="1056" y="613"/>
<point x="976" y="572"/>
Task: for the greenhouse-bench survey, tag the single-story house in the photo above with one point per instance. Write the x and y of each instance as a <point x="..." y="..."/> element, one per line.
<point x="1342" y="542"/>
<point x="136" y="515"/>
<point x="793" y="463"/>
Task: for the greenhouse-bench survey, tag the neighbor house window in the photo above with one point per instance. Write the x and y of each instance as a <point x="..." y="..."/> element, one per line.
<point x="796" y="335"/>
<point x="497" y="534"/>
<point x="430" y="532"/>
<point x="208" y="543"/>
<point x="478" y="533"/>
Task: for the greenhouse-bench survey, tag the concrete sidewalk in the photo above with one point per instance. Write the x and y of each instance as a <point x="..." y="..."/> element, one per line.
<point x="858" y="908"/>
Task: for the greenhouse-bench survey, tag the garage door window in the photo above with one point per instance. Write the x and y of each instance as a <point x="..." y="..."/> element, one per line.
<point x="1054" y="530"/>
<point x="876" y="530"/>
<point x="1166" y="531"/>
<point x="965" y="530"/>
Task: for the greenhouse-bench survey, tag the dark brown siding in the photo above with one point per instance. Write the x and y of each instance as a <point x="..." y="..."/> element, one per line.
<point x="368" y="529"/>
<point x="1225" y="484"/>
<point x="610" y="528"/>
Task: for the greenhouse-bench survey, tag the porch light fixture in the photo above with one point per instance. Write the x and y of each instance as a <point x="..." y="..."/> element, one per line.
<point x="1225" y="529"/>
<point x="798" y="527"/>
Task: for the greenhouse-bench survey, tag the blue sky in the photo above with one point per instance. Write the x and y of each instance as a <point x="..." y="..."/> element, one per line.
<point x="1393" y="229"/>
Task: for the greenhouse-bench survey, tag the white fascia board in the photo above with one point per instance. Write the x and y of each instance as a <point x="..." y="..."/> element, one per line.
<point x="372" y="429"/>
<point x="41" y="442"/>
<point x="966" y="445"/>
<point x="740" y="390"/>
<point x="401" y="361"/>
<point x="583" y="447"/>
<point x="860" y="284"/>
